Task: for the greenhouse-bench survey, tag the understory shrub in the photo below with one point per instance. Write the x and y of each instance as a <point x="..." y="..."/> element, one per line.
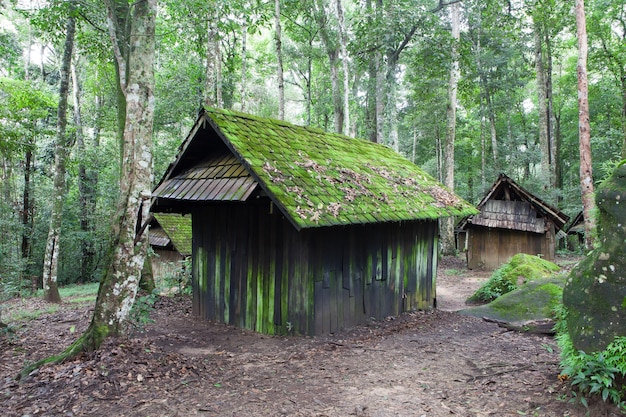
<point x="601" y="374"/>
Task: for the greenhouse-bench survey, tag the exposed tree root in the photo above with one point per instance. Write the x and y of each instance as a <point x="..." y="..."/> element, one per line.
<point x="88" y="342"/>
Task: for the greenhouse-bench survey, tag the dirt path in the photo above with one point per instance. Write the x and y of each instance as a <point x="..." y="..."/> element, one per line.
<point x="433" y="364"/>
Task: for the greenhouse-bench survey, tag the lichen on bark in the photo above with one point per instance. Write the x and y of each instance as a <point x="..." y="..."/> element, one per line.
<point x="595" y="292"/>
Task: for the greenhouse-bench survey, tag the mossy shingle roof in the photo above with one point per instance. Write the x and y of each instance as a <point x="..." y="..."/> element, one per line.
<point x="178" y="229"/>
<point x="323" y="179"/>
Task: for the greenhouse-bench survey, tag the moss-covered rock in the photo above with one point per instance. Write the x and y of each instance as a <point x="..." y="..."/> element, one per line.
<point x="520" y="269"/>
<point x="595" y="294"/>
<point x="535" y="300"/>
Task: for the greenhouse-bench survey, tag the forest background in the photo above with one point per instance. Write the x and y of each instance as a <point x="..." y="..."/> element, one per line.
<point x="389" y="71"/>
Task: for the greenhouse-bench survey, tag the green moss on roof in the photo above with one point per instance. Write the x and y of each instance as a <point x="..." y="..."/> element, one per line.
<point x="323" y="179"/>
<point x="178" y="228"/>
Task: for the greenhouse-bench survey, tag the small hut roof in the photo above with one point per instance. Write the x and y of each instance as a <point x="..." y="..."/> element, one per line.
<point x="508" y="205"/>
<point x="315" y="178"/>
<point x="577" y="225"/>
<point x="175" y="228"/>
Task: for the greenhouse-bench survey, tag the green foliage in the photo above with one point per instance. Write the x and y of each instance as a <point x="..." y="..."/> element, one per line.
<point x="497" y="285"/>
<point x="597" y="374"/>
<point x="521" y="267"/>
<point x="140" y="313"/>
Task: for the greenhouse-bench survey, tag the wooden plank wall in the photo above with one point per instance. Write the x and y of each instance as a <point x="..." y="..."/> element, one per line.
<point x="252" y="269"/>
<point x="490" y="248"/>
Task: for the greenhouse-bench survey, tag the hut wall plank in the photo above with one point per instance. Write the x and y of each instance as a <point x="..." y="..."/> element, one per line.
<point x="262" y="274"/>
<point x="490" y="248"/>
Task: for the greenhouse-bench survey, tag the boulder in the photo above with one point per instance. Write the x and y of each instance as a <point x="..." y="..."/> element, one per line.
<point x="532" y="302"/>
<point x="520" y="269"/>
<point x="595" y="292"/>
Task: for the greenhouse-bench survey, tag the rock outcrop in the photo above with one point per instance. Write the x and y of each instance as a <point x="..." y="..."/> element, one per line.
<point x="595" y="293"/>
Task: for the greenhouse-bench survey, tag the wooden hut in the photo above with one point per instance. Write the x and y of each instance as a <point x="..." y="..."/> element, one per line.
<point x="170" y="240"/>
<point x="298" y="231"/>
<point x="511" y="221"/>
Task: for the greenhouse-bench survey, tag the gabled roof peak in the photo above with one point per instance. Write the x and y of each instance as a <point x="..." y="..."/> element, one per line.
<point x="318" y="178"/>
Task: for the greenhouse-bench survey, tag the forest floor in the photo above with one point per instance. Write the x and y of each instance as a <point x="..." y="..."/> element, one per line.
<point x="433" y="363"/>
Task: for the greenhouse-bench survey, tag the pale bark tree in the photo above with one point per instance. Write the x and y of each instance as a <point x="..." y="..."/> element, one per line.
<point x="447" y="224"/>
<point x="279" y="58"/>
<point x="212" y="79"/>
<point x="244" y="61"/>
<point x="61" y="149"/>
<point x="329" y="39"/>
<point x="343" y="42"/>
<point x="584" y="132"/>
<point x="119" y="284"/>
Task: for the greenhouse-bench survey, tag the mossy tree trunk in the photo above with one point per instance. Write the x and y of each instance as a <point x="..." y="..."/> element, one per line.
<point x="118" y="286"/>
<point x="51" y="257"/>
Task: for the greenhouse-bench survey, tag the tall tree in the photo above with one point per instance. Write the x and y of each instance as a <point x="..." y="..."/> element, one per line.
<point x="343" y="42"/>
<point x="447" y="224"/>
<point x="543" y="67"/>
<point x="328" y="34"/>
<point x="119" y="284"/>
<point x="63" y="143"/>
<point x="87" y="181"/>
<point x="586" y="172"/>
<point x="279" y="57"/>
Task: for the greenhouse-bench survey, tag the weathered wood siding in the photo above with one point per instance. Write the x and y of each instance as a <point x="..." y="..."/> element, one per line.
<point x="252" y="269"/>
<point x="489" y="248"/>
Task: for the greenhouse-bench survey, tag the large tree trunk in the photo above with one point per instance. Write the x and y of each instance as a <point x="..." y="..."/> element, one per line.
<point x="279" y="59"/>
<point x="51" y="257"/>
<point x="126" y="255"/>
<point x="586" y="172"/>
<point x="447" y="224"/>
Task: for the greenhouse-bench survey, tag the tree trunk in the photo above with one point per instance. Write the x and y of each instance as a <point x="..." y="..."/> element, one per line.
<point x="371" y="122"/>
<point x="392" y="109"/>
<point x="552" y="146"/>
<point x="279" y="59"/>
<point x="244" y="52"/>
<point x="27" y="205"/>
<point x="212" y="59"/>
<point x="447" y="224"/>
<point x="121" y="24"/>
<point x="51" y="257"/>
<point x="379" y="95"/>
<point x="343" y="39"/>
<point x="586" y="173"/>
<point x="332" y="50"/>
<point x="542" y="105"/>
